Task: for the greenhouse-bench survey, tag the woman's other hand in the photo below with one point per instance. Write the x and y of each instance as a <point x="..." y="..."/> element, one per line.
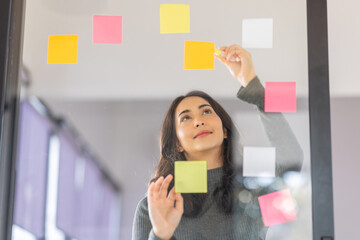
<point x="242" y="67"/>
<point x="165" y="209"/>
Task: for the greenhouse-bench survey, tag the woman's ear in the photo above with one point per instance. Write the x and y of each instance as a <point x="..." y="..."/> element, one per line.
<point x="179" y="147"/>
<point x="225" y="133"/>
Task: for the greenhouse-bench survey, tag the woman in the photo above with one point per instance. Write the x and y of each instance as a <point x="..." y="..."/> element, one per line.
<point x="196" y="127"/>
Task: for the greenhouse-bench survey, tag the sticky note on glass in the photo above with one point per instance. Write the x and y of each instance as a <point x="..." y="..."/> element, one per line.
<point x="257" y="33"/>
<point x="62" y="49"/>
<point x="218" y="52"/>
<point x="280" y="96"/>
<point x="199" y="55"/>
<point x="190" y="176"/>
<point x="259" y="162"/>
<point x="174" y="18"/>
<point x="107" y="29"/>
<point x="277" y="207"/>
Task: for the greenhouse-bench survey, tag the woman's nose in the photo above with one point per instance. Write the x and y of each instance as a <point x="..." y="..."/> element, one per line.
<point x="198" y="123"/>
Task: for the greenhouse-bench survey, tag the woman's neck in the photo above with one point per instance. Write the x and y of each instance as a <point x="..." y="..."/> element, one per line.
<point x="213" y="158"/>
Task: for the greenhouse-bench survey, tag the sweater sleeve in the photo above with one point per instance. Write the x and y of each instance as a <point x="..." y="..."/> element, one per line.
<point x="289" y="155"/>
<point x="142" y="228"/>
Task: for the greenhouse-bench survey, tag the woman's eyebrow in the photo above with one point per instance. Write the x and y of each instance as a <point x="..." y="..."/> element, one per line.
<point x="204" y="105"/>
<point x="187" y="110"/>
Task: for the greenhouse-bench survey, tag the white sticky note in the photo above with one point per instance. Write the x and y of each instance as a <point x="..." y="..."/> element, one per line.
<point x="259" y="162"/>
<point x="257" y="33"/>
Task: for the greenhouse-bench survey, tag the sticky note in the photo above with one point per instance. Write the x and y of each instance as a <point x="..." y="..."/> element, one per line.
<point x="280" y="96"/>
<point x="62" y="49"/>
<point x="190" y="176"/>
<point x="107" y="29"/>
<point x="199" y="55"/>
<point x="259" y="162"/>
<point x="257" y="33"/>
<point x="218" y="52"/>
<point x="174" y="18"/>
<point x="277" y="207"/>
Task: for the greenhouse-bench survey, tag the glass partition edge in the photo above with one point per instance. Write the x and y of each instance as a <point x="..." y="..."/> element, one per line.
<point x="11" y="35"/>
<point x="319" y="108"/>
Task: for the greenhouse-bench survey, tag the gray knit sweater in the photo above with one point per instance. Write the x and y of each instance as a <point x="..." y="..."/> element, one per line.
<point x="245" y="222"/>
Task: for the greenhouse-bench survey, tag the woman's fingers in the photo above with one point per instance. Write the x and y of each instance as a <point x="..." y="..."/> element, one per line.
<point x="221" y="58"/>
<point x="165" y="186"/>
<point x="228" y="49"/>
<point x="171" y="195"/>
<point x="151" y="190"/>
<point x="235" y="53"/>
<point x="159" y="188"/>
<point x="156" y="187"/>
<point x="232" y="52"/>
<point x="223" y="48"/>
<point x="179" y="205"/>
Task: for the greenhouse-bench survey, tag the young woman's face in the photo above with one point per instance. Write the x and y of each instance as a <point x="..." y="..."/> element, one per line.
<point x="198" y="127"/>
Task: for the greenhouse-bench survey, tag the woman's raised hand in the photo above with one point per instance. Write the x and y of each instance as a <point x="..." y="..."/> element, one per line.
<point x="165" y="209"/>
<point x="242" y="68"/>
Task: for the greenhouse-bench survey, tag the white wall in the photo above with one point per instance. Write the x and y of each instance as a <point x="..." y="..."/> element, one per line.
<point x="344" y="48"/>
<point x="344" y="52"/>
<point x="149" y="64"/>
<point x="345" y="117"/>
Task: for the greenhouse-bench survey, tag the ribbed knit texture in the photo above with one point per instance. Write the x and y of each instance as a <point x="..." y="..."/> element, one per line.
<point x="245" y="223"/>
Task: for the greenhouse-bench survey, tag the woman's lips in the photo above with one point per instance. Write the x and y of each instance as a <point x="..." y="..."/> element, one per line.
<point x="203" y="134"/>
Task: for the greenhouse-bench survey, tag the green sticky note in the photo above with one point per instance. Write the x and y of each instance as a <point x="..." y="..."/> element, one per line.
<point x="218" y="52"/>
<point x="190" y="177"/>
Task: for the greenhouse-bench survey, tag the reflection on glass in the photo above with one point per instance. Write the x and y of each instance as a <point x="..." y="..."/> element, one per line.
<point x="30" y="195"/>
<point x="20" y="233"/>
<point x="51" y="231"/>
<point x="60" y="192"/>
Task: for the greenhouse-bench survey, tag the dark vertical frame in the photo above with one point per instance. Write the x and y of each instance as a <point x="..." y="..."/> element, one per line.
<point x="11" y="35"/>
<point x="319" y="107"/>
<point x="11" y="30"/>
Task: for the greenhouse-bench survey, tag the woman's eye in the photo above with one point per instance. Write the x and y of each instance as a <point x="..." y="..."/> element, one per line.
<point x="207" y="111"/>
<point x="185" y="118"/>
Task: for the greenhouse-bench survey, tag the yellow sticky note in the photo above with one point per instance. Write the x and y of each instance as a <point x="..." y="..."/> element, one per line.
<point x="199" y="55"/>
<point x="174" y="18"/>
<point x="190" y="176"/>
<point x="62" y="49"/>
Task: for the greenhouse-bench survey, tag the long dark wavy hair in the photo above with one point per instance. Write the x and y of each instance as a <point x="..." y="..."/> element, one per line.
<point x="169" y="153"/>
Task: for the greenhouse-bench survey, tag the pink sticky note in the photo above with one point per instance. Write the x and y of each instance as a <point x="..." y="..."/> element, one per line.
<point x="280" y="96"/>
<point x="107" y="29"/>
<point x="277" y="207"/>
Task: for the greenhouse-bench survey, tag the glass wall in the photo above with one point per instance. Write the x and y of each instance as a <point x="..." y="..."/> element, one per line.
<point x="108" y="71"/>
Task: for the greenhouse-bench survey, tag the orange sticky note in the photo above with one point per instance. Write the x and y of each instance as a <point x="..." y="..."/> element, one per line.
<point x="280" y="96"/>
<point x="199" y="55"/>
<point x="174" y="18"/>
<point x="277" y="207"/>
<point x="107" y="29"/>
<point x="62" y="49"/>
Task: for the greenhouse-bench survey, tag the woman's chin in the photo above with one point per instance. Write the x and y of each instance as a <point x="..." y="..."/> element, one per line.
<point x="204" y="148"/>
